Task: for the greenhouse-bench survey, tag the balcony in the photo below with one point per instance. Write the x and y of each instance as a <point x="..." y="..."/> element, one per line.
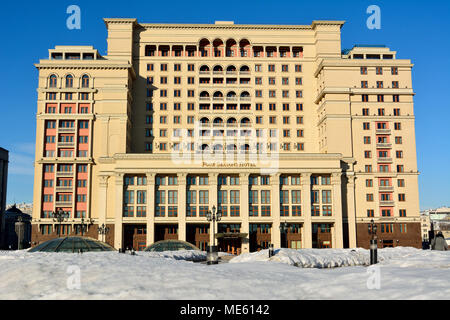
<point x="244" y="72"/>
<point x="383" y="131"/>
<point x="384" y="160"/>
<point x="64" y="173"/>
<point x="205" y="72"/>
<point x="231" y="72"/>
<point x="218" y="98"/>
<point x="63" y="203"/>
<point x="204" y="98"/>
<point x="66" y="129"/>
<point x="386" y="188"/>
<point x="64" y="188"/>
<point x="217" y="72"/>
<point x="384" y="145"/>
<point x="66" y="144"/>
<point x="387" y="203"/>
<point x="245" y="98"/>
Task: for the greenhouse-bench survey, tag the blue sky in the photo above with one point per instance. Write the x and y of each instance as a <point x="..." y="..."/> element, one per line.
<point x="417" y="30"/>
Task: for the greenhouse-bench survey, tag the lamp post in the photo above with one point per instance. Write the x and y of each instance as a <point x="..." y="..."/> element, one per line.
<point x="103" y="230"/>
<point x="373" y="242"/>
<point x="60" y="216"/>
<point x="19" y="228"/>
<point x="283" y="230"/>
<point x="213" y="216"/>
<point x="82" y="227"/>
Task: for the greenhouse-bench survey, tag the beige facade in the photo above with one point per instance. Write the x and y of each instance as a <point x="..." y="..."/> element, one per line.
<point x="272" y="124"/>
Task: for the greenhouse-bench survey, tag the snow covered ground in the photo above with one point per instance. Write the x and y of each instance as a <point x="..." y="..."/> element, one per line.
<point x="403" y="273"/>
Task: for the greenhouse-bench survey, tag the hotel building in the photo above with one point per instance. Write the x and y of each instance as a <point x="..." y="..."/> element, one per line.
<point x="273" y="125"/>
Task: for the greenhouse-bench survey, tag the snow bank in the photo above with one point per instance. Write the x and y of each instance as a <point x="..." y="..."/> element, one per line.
<point x="324" y="258"/>
<point x="405" y="274"/>
<point x="187" y="255"/>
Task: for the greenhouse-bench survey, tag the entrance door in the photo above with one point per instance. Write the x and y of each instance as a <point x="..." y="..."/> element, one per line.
<point x="134" y="237"/>
<point x="230" y="245"/>
<point x="322" y="236"/>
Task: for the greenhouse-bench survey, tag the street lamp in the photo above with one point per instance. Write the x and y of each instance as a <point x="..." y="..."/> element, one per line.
<point x="82" y="227"/>
<point x="213" y="216"/>
<point x="283" y="229"/>
<point x="60" y="216"/>
<point x="103" y="230"/>
<point x="373" y="242"/>
<point x="19" y="228"/>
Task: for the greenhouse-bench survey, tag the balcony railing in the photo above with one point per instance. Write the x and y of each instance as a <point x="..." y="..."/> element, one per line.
<point x="66" y="129"/>
<point x="64" y="188"/>
<point x="386" y="188"/>
<point x="383" y="131"/>
<point x="63" y="203"/>
<point x="204" y="98"/>
<point x="205" y="72"/>
<point x="384" y="145"/>
<point x="385" y="160"/>
<point x="64" y="173"/>
<point x="245" y="98"/>
<point x="66" y="144"/>
<point x="387" y="203"/>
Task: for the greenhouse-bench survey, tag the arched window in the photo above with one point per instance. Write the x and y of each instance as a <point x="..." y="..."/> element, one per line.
<point x="204" y="68"/>
<point x="53" y="81"/>
<point x="69" y="81"/>
<point x="218" y="122"/>
<point x="205" y="148"/>
<point x="204" y="121"/>
<point x="85" y="81"/>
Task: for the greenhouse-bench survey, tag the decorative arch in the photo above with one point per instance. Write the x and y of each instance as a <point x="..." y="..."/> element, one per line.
<point x="53" y="81"/>
<point x="69" y="81"/>
<point x="85" y="79"/>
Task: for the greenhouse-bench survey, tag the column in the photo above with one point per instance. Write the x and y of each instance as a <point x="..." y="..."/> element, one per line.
<point x="337" y="210"/>
<point x="244" y="210"/>
<point x="351" y="211"/>
<point x="275" y="211"/>
<point x="102" y="202"/>
<point x="150" y="208"/>
<point x="213" y="190"/>
<point x="306" y="211"/>
<point x="118" y="225"/>
<point x="182" y="206"/>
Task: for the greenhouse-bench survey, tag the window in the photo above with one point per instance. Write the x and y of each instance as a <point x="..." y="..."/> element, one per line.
<point x="69" y="81"/>
<point x="363" y="70"/>
<point x="85" y="81"/>
<point x="53" y="81"/>
<point x="365" y="98"/>
<point x="394" y="71"/>
<point x="379" y="70"/>
<point x="370" y="213"/>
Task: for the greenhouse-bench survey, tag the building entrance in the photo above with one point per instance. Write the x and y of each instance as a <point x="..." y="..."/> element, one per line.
<point x="135" y="237"/>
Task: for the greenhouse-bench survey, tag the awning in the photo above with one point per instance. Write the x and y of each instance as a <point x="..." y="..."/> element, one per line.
<point x="231" y="235"/>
